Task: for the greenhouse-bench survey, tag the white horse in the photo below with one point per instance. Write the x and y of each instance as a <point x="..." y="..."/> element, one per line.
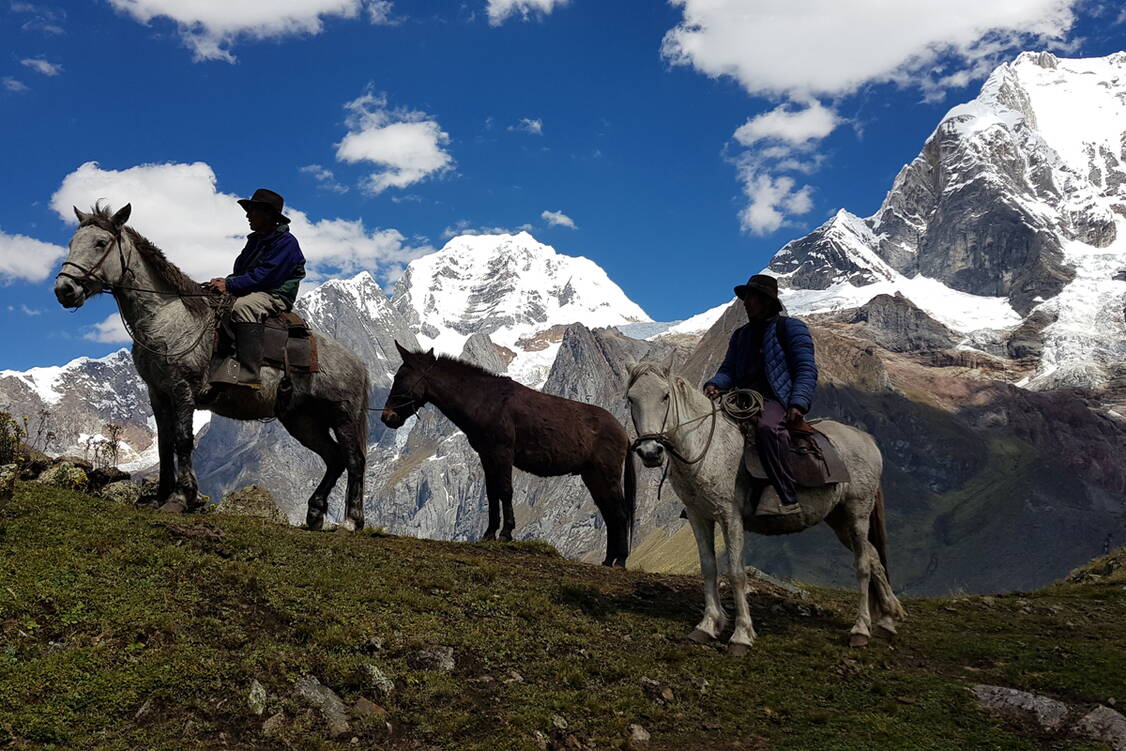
<point x="714" y="487"/>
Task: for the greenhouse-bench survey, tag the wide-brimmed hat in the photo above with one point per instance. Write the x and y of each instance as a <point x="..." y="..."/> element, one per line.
<point x="268" y="199"/>
<point x="767" y="286"/>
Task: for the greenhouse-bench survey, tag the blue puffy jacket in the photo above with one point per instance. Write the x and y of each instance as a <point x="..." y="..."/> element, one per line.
<point x="787" y="349"/>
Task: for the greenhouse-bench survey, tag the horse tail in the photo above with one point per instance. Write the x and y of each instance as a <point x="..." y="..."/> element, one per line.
<point x="877" y="533"/>
<point x="630" y="497"/>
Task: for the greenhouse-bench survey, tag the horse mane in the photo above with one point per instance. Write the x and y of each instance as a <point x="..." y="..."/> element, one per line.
<point x="460" y="367"/>
<point x="165" y="271"/>
<point x="647" y="368"/>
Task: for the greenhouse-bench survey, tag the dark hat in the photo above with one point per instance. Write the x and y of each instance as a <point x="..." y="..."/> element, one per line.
<point x="268" y="199"/>
<point x="767" y="286"/>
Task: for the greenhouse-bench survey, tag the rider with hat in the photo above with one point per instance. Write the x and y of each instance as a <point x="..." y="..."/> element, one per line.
<point x="266" y="276"/>
<point x="772" y="354"/>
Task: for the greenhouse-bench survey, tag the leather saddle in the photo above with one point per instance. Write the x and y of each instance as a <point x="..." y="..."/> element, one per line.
<point x="814" y="460"/>
<point x="288" y="343"/>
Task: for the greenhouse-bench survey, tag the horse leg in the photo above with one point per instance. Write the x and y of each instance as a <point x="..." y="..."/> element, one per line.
<point x="853" y="534"/>
<point x="498" y="486"/>
<point x="185" y="495"/>
<point x="312" y="433"/>
<point x="744" y="636"/>
<point x="714" y="620"/>
<point x="606" y="491"/>
<point x="353" y="445"/>
<point x="165" y="428"/>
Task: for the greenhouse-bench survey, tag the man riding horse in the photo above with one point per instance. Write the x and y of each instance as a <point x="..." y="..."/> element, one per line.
<point x="266" y="276"/>
<point x="773" y="355"/>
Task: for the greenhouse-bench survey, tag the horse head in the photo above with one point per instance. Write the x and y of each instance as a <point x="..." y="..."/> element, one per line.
<point x="92" y="266"/>
<point x="650" y="400"/>
<point x="408" y="392"/>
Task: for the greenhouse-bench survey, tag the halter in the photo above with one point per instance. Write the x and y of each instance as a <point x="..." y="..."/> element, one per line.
<point x="665" y="437"/>
<point x="413" y="399"/>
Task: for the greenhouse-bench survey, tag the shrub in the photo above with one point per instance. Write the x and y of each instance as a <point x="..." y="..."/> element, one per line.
<point x="11" y="437"/>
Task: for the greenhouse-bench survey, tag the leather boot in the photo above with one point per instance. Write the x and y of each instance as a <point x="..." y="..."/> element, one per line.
<point x="248" y="352"/>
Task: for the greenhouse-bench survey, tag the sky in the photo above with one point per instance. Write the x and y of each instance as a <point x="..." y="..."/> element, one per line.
<point x="677" y="144"/>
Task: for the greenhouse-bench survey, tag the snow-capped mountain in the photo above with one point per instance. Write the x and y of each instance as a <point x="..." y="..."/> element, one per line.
<point x="1013" y="217"/>
<point x="516" y="290"/>
<point x="77" y="401"/>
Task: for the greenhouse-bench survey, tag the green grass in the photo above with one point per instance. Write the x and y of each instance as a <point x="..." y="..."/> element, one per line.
<point x="123" y="629"/>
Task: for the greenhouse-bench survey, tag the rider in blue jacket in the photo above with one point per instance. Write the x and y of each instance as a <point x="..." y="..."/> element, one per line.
<point x="772" y="354"/>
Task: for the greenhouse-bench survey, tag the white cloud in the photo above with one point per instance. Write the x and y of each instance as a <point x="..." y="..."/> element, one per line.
<point x="499" y="10"/>
<point x="528" y="125"/>
<point x="39" y="65"/>
<point x="778" y="47"/>
<point x="324" y="177"/>
<point x="771" y="199"/>
<point x="43" y="18"/>
<point x="406" y="144"/>
<point x="379" y="13"/>
<point x="26" y="258"/>
<point x="178" y="207"/>
<point x="465" y="227"/>
<point x="795" y="127"/>
<point x="32" y="312"/>
<point x="12" y="84"/>
<point x="802" y="52"/>
<point x="210" y="27"/>
<point x="558" y="219"/>
<point x="109" y="331"/>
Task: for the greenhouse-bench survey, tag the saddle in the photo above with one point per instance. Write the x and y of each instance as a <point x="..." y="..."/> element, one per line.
<point x="287" y="344"/>
<point x="814" y="460"/>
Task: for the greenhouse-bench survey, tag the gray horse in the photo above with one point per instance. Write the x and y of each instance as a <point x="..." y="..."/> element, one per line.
<point x="172" y="322"/>
<point x="713" y="490"/>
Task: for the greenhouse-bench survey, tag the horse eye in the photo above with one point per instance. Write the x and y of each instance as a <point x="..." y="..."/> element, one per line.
<point x="665" y="398"/>
<point x="100" y="244"/>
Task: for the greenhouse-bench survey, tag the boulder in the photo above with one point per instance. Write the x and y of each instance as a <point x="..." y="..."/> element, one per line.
<point x="9" y="473"/>
<point x="103" y="476"/>
<point x="122" y="491"/>
<point x="324" y="700"/>
<point x="1105" y="725"/>
<point x="1046" y="714"/>
<point x="252" y="501"/>
<point x="64" y="475"/>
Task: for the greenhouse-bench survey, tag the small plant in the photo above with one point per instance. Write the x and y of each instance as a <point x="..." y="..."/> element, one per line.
<point x="12" y="435"/>
<point x="43" y="437"/>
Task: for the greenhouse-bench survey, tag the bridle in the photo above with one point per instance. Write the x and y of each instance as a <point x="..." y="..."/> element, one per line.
<point x="412" y="400"/>
<point x="88" y="275"/>
<point x="666" y="437"/>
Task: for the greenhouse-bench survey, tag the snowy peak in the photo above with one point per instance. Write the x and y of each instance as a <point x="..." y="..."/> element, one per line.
<point x="509" y="287"/>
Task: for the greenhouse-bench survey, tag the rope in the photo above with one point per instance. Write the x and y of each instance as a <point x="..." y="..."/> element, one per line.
<point x="741" y="405"/>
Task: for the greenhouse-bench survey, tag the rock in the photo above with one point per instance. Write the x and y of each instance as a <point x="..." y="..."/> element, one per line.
<point x="274" y="725"/>
<point x="638" y="735"/>
<point x="64" y="475"/>
<point x="440" y="659"/>
<point x="9" y="473"/>
<point x="1105" y="725"/>
<point x="1047" y="714"/>
<point x="77" y="461"/>
<point x="257" y="697"/>
<point x="122" y="491"/>
<point x="365" y="708"/>
<point x="103" y="476"/>
<point x="376" y="679"/>
<point x="540" y="739"/>
<point x="559" y="722"/>
<point x="514" y="677"/>
<point x="897" y="324"/>
<point x="252" y="501"/>
<point x="150" y="486"/>
<point x="324" y="700"/>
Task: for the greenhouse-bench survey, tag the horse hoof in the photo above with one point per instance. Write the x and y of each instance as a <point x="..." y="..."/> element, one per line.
<point x="173" y="507"/>
<point x="700" y="636"/>
<point x="506" y="537"/>
<point x="620" y="562"/>
<point x="488" y="537"/>
<point x="885" y="633"/>
<point x="608" y="562"/>
<point x="314" y="523"/>
<point x="347" y="526"/>
<point x="858" y="640"/>
<point x="738" y="650"/>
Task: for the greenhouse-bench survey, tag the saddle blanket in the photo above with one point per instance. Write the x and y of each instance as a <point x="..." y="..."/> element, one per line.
<point x="288" y="343"/>
<point x="814" y="460"/>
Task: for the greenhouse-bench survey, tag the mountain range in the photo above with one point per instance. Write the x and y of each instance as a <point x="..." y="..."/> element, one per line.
<point x="974" y="324"/>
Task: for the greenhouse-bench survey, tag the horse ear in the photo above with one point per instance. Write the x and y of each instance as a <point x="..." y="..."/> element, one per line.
<point x="82" y="215"/>
<point x="430" y="354"/>
<point x="402" y="351"/>
<point x="122" y="216"/>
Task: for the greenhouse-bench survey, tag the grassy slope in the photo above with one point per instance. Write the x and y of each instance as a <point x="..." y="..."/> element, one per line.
<point x="104" y="610"/>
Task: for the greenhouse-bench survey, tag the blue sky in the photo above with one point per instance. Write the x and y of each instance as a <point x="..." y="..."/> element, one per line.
<point x="678" y="144"/>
